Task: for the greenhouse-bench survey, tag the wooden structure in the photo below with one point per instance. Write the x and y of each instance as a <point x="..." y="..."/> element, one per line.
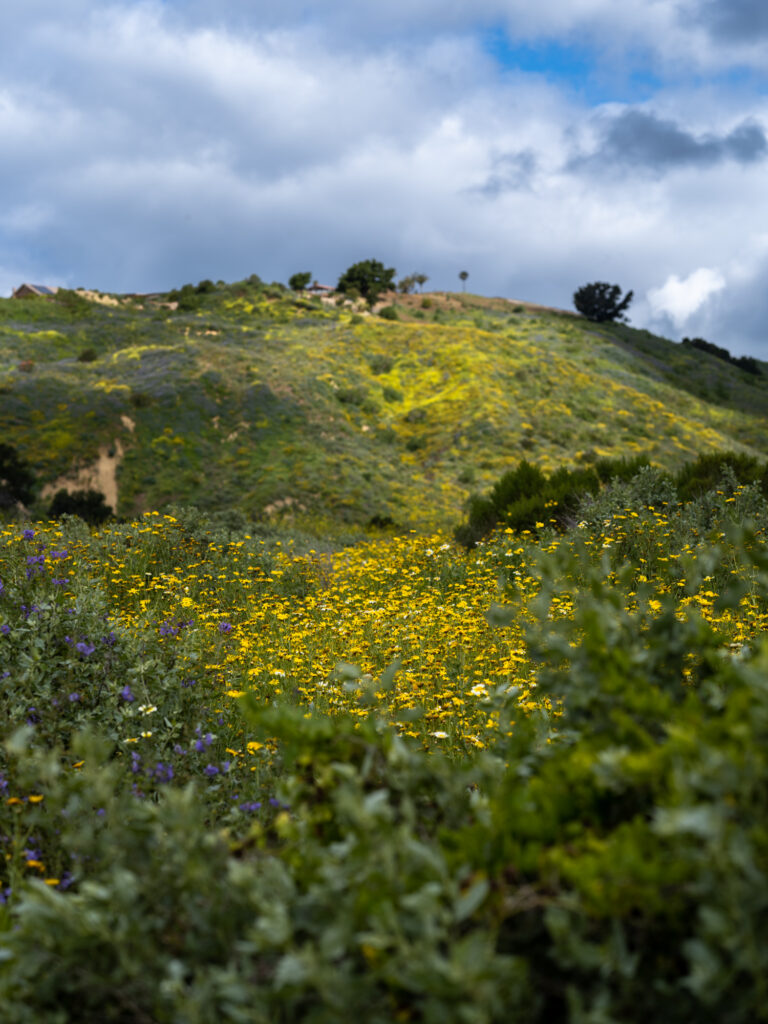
<point x="34" y="291"/>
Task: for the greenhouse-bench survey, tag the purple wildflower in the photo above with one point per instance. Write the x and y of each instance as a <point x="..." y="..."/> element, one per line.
<point x="74" y="697"/>
<point x="126" y="694"/>
<point x="28" y="534"/>
<point x="250" y="806"/>
<point x="210" y="770"/>
<point x="59" y="554"/>
<point x="162" y="772"/>
<point x="225" y="627"/>
<point x="85" y="648"/>
<point x="5" y="629"/>
<point x="135" y="762"/>
<point x="178" y="749"/>
<point x="203" y="741"/>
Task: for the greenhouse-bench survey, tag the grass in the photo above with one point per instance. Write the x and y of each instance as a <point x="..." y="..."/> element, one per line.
<point x="257" y="397"/>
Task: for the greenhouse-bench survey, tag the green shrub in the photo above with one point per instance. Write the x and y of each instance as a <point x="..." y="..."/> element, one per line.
<point x="389" y="313"/>
<point x="706" y="473"/>
<point x="89" y="505"/>
<point x="525" y="499"/>
<point x="380" y="363"/>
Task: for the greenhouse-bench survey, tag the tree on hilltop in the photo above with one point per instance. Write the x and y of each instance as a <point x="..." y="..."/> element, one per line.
<point x="601" y="301"/>
<point x="369" y="278"/>
<point x="463" y="275"/>
<point x="298" y="282"/>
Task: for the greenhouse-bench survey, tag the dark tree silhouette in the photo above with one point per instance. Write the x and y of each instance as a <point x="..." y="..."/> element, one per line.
<point x="89" y="505"/>
<point x="601" y="301"/>
<point x="463" y="278"/>
<point x="17" y="480"/>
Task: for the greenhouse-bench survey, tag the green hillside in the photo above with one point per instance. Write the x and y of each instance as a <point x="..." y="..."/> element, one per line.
<point x="253" y="398"/>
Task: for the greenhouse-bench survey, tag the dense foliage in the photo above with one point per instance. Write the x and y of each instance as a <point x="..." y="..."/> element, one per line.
<point x="246" y="780"/>
<point x="300" y="280"/>
<point x="525" y="498"/>
<point x="601" y="301"/>
<point x="747" y="363"/>
<point x="17" y="481"/>
<point x="368" y="278"/>
<point x="89" y="504"/>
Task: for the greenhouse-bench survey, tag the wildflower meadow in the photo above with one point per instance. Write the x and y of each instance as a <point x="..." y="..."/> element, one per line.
<point x="260" y="776"/>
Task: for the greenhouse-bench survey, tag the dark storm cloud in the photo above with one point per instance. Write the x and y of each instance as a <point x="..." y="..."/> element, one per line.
<point x="642" y="140"/>
<point x="510" y="172"/>
<point x="733" y="21"/>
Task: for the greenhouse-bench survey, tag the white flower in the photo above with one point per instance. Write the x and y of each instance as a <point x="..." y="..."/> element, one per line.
<point x="439" y="735"/>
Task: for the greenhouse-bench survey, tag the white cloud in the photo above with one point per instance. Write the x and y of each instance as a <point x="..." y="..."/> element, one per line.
<point x="680" y="298"/>
<point x="143" y="148"/>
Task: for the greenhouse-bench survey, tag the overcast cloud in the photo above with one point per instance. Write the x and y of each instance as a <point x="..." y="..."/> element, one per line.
<point x="147" y="144"/>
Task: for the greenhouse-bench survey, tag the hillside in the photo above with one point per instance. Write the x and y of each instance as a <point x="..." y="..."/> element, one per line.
<point x="255" y="399"/>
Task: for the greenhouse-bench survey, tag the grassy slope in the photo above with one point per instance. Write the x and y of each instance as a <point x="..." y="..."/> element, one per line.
<point x="252" y="400"/>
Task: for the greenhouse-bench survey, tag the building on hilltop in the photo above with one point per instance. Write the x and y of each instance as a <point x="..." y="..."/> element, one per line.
<point x="33" y="291"/>
<point x="319" y="289"/>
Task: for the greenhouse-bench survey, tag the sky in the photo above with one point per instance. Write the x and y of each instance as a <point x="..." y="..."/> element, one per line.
<point x="538" y="146"/>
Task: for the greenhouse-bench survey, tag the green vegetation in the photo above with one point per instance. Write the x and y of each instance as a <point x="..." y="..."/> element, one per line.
<point x="746" y="363"/>
<point x="525" y="499"/>
<point x="90" y="505"/>
<point x="250" y="780"/>
<point x="241" y="401"/>
<point x="17" y="480"/>
<point x="368" y="278"/>
<point x="601" y="301"/>
<point x="299" y="281"/>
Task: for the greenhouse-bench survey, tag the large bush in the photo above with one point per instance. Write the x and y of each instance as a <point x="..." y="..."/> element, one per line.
<point x="90" y="505"/>
<point x="525" y="499"/>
